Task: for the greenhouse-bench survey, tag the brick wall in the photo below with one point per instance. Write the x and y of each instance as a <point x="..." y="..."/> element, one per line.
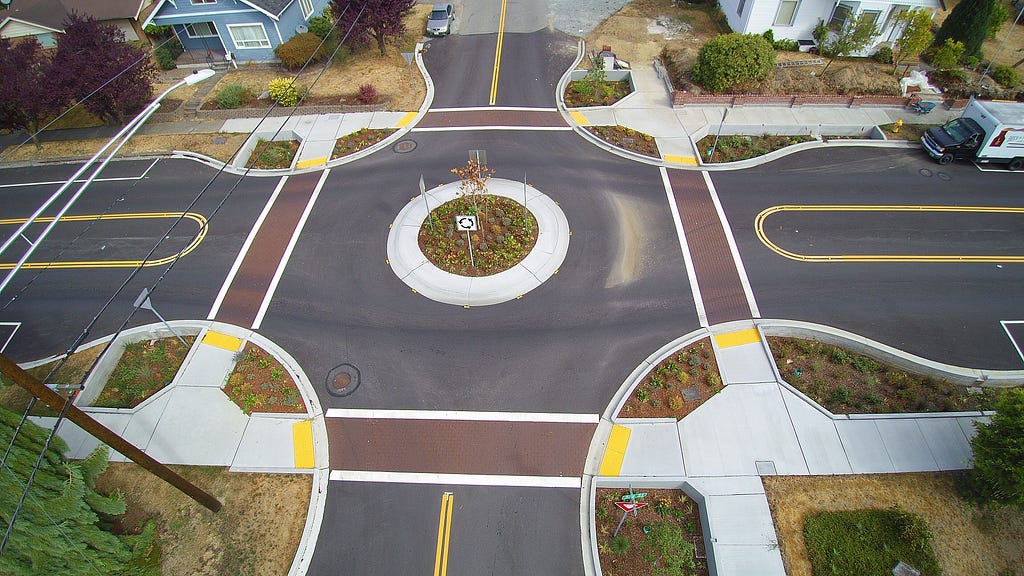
<point x="681" y="98"/>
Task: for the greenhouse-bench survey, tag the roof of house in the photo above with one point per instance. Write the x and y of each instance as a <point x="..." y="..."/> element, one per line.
<point x="51" y="14"/>
<point x="272" y="8"/>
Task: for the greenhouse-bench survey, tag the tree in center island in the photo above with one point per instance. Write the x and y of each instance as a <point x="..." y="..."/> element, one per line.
<point x="381" y="20"/>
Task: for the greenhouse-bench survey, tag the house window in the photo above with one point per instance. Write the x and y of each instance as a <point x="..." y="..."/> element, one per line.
<point x="870" y="17"/>
<point x="249" y="35"/>
<point x="307" y="8"/>
<point x="787" y="12"/>
<point x="200" y="30"/>
<point x="739" y="9"/>
<point x="840" y="15"/>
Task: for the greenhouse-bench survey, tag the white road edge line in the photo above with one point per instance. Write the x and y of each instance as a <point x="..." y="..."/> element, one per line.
<point x="492" y="108"/>
<point x="288" y="251"/>
<point x="480" y="128"/>
<point x="462" y="415"/>
<point x="118" y="179"/>
<point x="1002" y="323"/>
<point x="457" y="479"/>
<point x="17" y="325"/>
<point x="732" y="247"/>
<point x="691" y="274"/>
<point x="245" y="250"/>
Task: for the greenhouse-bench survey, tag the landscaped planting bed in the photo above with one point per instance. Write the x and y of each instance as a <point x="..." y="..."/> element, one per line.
<point x="677" y="385"/>
<point x="273" y="155"/>
<point x="733" y="148"/>
<point x="259" y="383"/>
<point x="145" y="367"/>
<point x="846" y="382"/>
<point x="665" y="535"/>
<point x="356" y="141"/>
<point x="628" y="139"/>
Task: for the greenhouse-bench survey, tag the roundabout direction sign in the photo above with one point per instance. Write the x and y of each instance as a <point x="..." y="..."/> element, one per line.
<point x="465" y="223"/>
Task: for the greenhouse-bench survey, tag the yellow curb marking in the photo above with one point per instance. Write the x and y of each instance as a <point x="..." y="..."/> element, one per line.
<point x="738" y="338"/>
<point x="406" y="119"/>
<point x="579" y="118"/>
<point x="444" y="534"/>
<point x="222" y="341"/>
<point x="302" y="440"/>
<point x="614" y="453"/>
<point x="763" y="236"/>
<point x="197" y="218"/>
<point x="311" y="162"/>
<point x="676" y="159"/>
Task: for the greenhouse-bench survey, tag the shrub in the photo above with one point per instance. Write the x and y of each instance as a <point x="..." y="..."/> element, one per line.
<point x="883" y="55"/>
<point x="725" y="61"/>
<point x="786" y="45"/>
<point x="367" y="93"/>
<point x="164" y="58"/>
<point x="948" y="55"/>
<point x="322" y="25"/>
<point x="620" y="545"/>
<point x="999" y="16"/>
<point x="232" y="96"/>
<point x="283" y="91"/>
<point x="1007" y="76"/>
<point x="300" y="49"/>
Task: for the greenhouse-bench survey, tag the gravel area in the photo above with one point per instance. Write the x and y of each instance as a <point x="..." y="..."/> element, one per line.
<point x="579" y="17"/>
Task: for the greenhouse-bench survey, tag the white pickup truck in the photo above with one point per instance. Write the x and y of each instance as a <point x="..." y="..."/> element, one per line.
<point x="987" y="132"/>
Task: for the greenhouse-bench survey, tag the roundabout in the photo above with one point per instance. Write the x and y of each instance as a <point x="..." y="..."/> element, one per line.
<point x="411" y="266"/>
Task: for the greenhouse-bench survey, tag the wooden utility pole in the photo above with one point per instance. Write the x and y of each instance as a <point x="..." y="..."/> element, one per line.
<point x="104" y="434"/>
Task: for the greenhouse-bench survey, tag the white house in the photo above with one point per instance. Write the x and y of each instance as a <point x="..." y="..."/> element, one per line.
<point x="796" y="19"/>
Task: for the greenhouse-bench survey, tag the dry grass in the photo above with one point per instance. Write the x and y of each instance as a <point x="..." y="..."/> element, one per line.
<point x="635" y="35"/>
<point x="256" y="532"/>
<point x="966" y="540"/>
<point x="140" y="144"/>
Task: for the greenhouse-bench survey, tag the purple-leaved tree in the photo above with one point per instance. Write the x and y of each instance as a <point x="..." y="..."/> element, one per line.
<point x="380" y="19"/>
<point x="88" y="54"/>
<point x="30" y="93"/>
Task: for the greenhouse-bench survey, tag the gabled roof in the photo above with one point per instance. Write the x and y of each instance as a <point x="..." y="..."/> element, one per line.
<point x="272" y="8"/>
<point x="51" y="14"/>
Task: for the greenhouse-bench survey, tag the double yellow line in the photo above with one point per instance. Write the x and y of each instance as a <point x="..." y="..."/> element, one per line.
<point x="444" y="534"/>
<point x="497" y="53"/>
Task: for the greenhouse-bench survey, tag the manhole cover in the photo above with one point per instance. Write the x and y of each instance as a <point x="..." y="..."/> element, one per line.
<point x="404" y="146"/>
<point x="925" y="172"/>
<point x="944" y="176"/>
<point x="342" y="380"/>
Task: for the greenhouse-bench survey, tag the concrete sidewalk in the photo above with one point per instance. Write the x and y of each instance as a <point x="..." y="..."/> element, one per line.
<point x="758" y="425"/>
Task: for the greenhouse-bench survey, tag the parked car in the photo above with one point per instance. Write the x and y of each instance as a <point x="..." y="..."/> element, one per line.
<point x="439" y="23"/>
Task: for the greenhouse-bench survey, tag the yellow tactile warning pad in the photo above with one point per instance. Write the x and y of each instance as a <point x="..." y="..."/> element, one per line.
<point x="579" y="118"/>
<point x="222" y="341"/>
<point x="676" y="159"/>
<point x="311" y="162"/>
<point x="409" y="116"/>
<point x="611" y="464"/>
<point x="737" y="338"/>
<point x="302" y="438"/>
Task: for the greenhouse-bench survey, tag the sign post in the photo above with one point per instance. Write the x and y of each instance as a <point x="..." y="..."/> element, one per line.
<point x="143" y="302"/>
<point x="423" y="192"/>
<point x="626" y="508"/>
<point x="467" y="222"/>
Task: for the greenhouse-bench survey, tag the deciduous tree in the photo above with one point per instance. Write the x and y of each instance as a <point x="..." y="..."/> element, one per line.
<point x="30" y="92"/>
<point x="915" y="37"/>
<point x="90" y="53"/>
<point x="968" y="23"/>
<point x="853" y="36"/>
<point x="381" y="20"/>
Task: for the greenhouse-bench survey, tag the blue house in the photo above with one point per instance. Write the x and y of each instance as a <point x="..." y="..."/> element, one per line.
<point x="249" y="30"/>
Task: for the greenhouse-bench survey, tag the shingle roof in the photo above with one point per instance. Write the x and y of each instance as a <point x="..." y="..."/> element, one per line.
<point x="274" y="7"/>
<point x="52" y="13"/>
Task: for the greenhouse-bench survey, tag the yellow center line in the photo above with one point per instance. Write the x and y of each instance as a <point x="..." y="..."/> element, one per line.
<point x="444" y="533"/>
<point x="938" y="258"/>
<point x="497" y="53"/>
<point x="197" y="218"/>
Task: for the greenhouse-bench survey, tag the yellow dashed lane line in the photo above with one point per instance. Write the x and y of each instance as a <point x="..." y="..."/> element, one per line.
<point x="614" y="453"/>
<point x="302" y="437"/>
<point x="738" y="338"/>
<point x="222" y="341"/>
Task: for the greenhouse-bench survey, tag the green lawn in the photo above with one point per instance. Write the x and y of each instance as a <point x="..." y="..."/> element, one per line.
<point x="868" y="542"/>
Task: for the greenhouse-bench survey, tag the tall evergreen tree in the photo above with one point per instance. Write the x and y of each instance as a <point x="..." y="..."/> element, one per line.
<point x="57" y="531"/>
<point x="998" y="473"/>
<point x="967" y="23"/>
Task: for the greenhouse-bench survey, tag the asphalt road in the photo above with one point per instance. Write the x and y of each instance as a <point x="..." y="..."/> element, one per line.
<point x="948" y="312"/>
